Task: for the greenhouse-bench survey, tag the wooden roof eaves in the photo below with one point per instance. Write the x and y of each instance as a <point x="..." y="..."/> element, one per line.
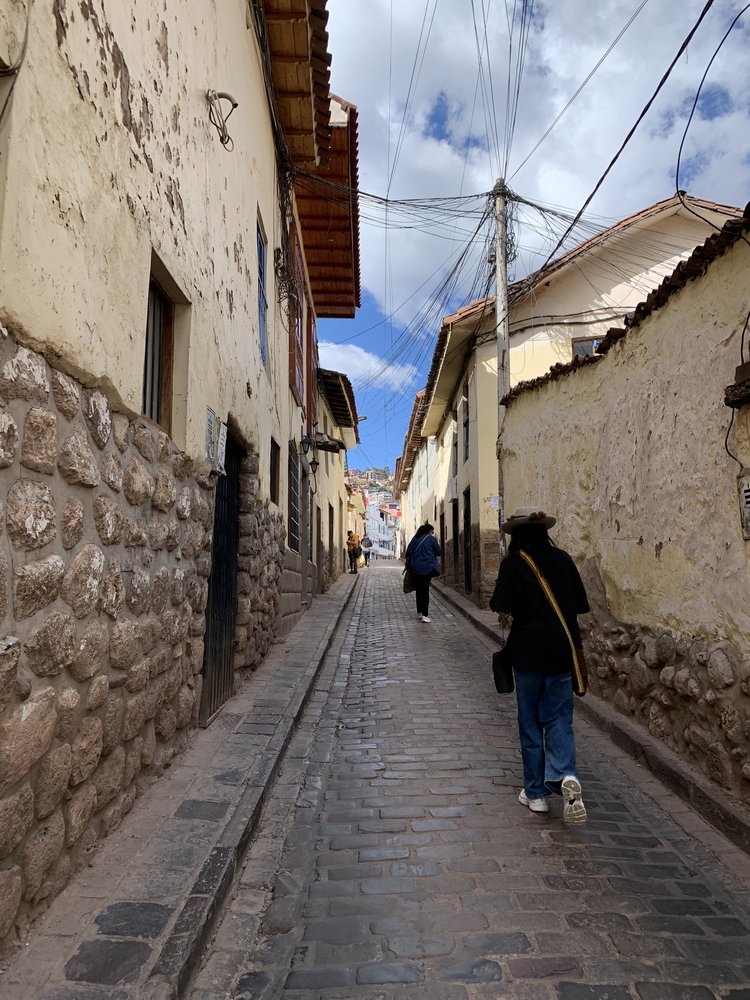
<point x="317" y="96"/>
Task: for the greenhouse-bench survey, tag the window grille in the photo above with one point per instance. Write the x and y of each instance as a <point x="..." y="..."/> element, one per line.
<point x="157" y="369"/>
<point x="262" y="298"/>
<point x="294" y="533"/>
<point x="274" y="471"/>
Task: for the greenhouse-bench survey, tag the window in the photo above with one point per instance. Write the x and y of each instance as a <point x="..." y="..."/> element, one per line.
<point x="262" y="297"/>
<point x="582" y="348"/>
<point x="157" y="369"/>
<point x="294" y="535"/>
<point x="274" y="471"/>
<point x="296" y="324"/>
<point x="454" y="445"/>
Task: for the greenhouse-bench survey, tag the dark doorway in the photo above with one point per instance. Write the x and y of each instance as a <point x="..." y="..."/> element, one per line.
<point x="467" y="541"/>
<point x="330" y="543"/>
<point x="442" y="543"/>
<point x="218" y="669"/>
<point x="456" y="550"/>
<point x="319" y="547"/>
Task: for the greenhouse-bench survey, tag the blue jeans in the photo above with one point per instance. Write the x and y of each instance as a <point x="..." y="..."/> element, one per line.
<point x="545" y="725"/>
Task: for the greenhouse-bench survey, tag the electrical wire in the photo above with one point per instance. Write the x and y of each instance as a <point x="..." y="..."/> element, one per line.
<point x="413" y="80"/>
<point x="603" y="59"/>
<point x="680" y="193"/>
<point x="633" y="129"/>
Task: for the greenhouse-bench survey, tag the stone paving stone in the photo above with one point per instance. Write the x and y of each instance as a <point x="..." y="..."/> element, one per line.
<point x="108" y="963"/>
<point x="378" y="973"/>
<point x="197" y="809"/>
<point x="133" y="920"/>
<point x="673" y="991"/>
<point x="82" y="993"/>
<point x="580" y="991"/>
<point x="405" y="857"/>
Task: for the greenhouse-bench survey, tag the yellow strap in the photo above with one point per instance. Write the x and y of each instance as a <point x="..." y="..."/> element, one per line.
<point x="551" y="598"/>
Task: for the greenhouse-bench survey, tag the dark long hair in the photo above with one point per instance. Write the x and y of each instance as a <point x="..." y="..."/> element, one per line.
<point x="534" y="539"/>
<point x="422" y="530"/>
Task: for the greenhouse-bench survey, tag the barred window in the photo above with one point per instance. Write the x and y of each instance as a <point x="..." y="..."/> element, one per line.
<point x="262" y="297"/>
<point x="274" y="471"/>
<point x="157" y="368"/>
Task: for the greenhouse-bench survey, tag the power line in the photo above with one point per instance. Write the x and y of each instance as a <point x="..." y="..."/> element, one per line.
<point x="622" y="31"/>
<point x="681" y="194"/>
<point x="632" y="131"/>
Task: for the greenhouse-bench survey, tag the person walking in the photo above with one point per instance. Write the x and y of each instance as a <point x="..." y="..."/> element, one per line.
<point x="421" y="558"/>
<point x="354" y="550"/>
<point x="540" y="652"/>
<point x="366" y="546"/>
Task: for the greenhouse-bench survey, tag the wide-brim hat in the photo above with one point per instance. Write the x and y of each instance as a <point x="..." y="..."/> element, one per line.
<point x="527" y="515"/>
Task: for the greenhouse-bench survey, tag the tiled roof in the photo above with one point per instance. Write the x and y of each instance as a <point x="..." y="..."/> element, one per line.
<point x="695" y="266"/>
<point x="339" y="395"/>
<point x="412" y="442"/>
<point x="519" y="289"/>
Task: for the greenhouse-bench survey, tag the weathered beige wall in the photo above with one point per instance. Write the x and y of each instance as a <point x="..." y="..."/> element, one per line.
<point x="629" y="454"/>
<point x="110" y="155"/>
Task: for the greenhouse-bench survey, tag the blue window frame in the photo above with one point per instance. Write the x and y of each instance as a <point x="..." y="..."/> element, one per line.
<point x="262" y="298"/>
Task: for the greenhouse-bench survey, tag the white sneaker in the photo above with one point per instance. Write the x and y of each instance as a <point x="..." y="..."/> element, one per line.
<point x="536" y="805"/>
<point x="574" y="811"/>
<point x="426" y="619"/>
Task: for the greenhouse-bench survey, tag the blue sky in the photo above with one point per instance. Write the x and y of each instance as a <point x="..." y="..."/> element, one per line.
<point x="432" y="125"/>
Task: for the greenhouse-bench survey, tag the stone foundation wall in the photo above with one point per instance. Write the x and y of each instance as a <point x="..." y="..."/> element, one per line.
<point x="104" y="565"/>
<point x="692" y="694"/>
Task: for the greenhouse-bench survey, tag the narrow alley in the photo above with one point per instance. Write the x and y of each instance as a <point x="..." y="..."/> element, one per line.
<point x="392" y="859"/>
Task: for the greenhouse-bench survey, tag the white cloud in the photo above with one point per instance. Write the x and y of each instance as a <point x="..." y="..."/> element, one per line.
<point x="566" y="41"/>
<point x="364" y="367"/>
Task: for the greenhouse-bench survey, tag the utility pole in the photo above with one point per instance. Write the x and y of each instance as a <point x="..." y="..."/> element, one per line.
<point x="503" y="345"/>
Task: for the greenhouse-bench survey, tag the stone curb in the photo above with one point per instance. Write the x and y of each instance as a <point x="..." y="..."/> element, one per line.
<point x="709" y="802"/>
<point x="191" y="931"/>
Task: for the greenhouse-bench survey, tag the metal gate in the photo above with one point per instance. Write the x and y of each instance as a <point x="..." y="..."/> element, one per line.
<point x="218" y="670"/>
<point x="467" y="541"/>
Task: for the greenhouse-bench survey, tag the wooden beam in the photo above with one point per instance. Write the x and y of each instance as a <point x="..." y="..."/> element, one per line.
<point x="287" y="17"/>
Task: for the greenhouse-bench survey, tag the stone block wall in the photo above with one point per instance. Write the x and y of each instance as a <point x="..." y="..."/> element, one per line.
<point x="692" y="694"/>
<point x="105" y="554"/>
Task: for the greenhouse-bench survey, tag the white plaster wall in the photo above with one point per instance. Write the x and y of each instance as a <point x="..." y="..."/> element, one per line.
<point x="629" y="454"/>
<point x="584" y="300"/>
<point x="331" y="487"/>
<point x="110" y="154"/>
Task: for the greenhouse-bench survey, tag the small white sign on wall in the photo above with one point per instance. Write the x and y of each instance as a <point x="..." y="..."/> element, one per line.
<point x="216" y="441"/>
<point x="222" y="449"/>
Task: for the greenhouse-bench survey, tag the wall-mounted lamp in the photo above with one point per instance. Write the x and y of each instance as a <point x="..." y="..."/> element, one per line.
<point x="314" y="465"/>
<point x="306" y="443"/>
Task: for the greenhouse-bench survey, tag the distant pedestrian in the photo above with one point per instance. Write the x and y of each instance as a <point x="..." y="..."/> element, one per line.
<point x="366" y="546"/>
<point x="421" y="558"/>
<point x="354" y="549"/>
<point x="540" y="652"/>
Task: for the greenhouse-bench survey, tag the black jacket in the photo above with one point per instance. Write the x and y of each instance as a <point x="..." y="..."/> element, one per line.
<point x="537" y="639"/>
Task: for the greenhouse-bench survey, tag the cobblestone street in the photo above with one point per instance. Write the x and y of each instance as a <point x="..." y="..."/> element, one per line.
<point x="393" y="860"/>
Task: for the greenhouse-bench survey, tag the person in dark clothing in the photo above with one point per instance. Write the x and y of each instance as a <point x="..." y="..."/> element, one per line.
<point x="421" y="557"/>
<point x="541" y="656"/>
